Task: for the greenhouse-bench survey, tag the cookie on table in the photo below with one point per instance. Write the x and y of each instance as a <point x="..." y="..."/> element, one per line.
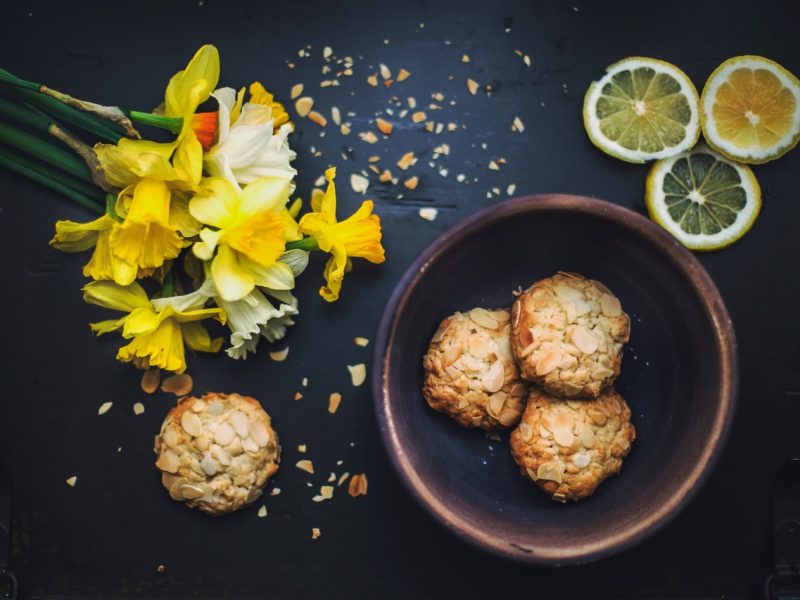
<point x="217" y="452"/>
<point x="470" y="373"/>
<point x="567" y="335"/>
<point x="568" y="447"/>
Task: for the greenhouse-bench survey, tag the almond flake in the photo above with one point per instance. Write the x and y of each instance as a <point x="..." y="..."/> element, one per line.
<point x="138" y="408"/>
<point x="71" y="481"/>
<point x="412" y="182"/>
<point x="326" y="52"/>
<point x="150" y="380"/>
<point x="373" y="80"/>
<point x="333" y="402"/>
<point x="104" y="408"/>
<point x="301" y="448"/>
<point x="315" y="533"/>
<point x="493" y="166"/>
<point x="464" y="58"/>
<point x="304" y="105"/>
<point x="343" y="478"/>
<point x="368" y="137"/>
<point x="317" y="118"/>
<point x="406" y="160"/>
<point x="297" y="89"/>
<point x="325" y="493"/>
<point x="472" y="86"/>
<point x="305" y="465"/>
<point x="275" y="491"/>
<point x="374" y="159"/>
<point x="358" y="373"/>
<point x="180" y="385"/>
<point x="279" y="355"/>
<point x="344" y="129"/>
<point x="336" y="116"/>
<point x="517" y="125"/>
<point x="412" y="102"/>
<point x="359" y="183"/>
<point x="385" y="72"/>
<point x="358" y="485"/>
<point x="512" y="187"/>
<point x="527" y="60"/>
<point x="384" y="126"/>
<point x="385" y="176"/>
<point x="403" y="75"/>
<point x="428" y="213"/>
<point x="361" y="341"/>
<point x="419" y="117"/>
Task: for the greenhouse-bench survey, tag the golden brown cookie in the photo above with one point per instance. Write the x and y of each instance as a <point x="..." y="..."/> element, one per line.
<point x="470" y="373"/>
<point x="217" y="452"/>
<point x="568" y="447"/>
<point x="567" y="335"/>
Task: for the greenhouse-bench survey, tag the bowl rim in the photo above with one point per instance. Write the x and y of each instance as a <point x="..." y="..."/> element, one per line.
<point x="724" y="338"/>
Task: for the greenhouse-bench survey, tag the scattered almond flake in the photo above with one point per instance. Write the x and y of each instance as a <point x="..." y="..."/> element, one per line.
<point x="412" y="182"/>
<point x="443" y="172"/>
<point x="301" y="448"/>
<point x="304" y="105"/>
<point x="359" y="183"/>
<point x="438" y="96"/>
<point x="442" y="149"/>
<point x="496" y="191"/>
<point x="138" y="408"/>
<point x="297" y="89"/>
<point x="368" y="136"/>
<point x="433" y="106"/>
<point x="279" y="355"/>
<point x="326" y="69"/>
<point x="358" y="485"/>
<point x="343" y="478"/>
<point x="527" y="60"/>
<point x="464" y="58"/>
<point x="383" y="126"/>
<point x="385" y="177"/>
<point x="403" y="75"/>
<point x="358" y="373"/>
<point x="374" y="169"/>
<point x="388" y="82"/>
<point x="347" y="72"/>
<point x="429" y="126"/>
<point x="494" y="436"/>
<point x="104" y="408"/>
<point x="305" y="465"/>
<point x="428" y="213"/>
<point x="331" y="477"/>
<point x="320" y="181"/>
<point x="518" y="126"/>
<point x="336" y="116"/>
<point x="374" y="159"/>
<point x="493" y="166"/>
<point x="419" y="117"/>
<point x="345" y="129"/>
<point x="385" y="72"/>
<point x="275" y="491"/>
<point x="298" y="396"/>
<point x="439" y="127"/>
<point x="180" y="385"/>
<point x="150" y="380"/>
<point x="403" y="113"/>
<point x="326" y="493"/>
<point x="301" y="53"/>
<point x="262" y="512"/>
<point x="361" y="341"/>
<point x="412" y="102"/>
<point x="317" y="118"/>
<point x="333" y="402"/>
<point x="460" y="177"/>
<point x="406" y="160"/>
<point x="472" y="86"/>
<point x="373" y="80"/>
<point x="328" y="83"/>
<point x="315" y="533"/>
<point x="501" y="161"/>
<point x="161" y="569"/>
<point x="71" y="481"/>
<point x="304" y="383"/>
<point x="326" y="52"/>
<point x="339" y="463"/>
<point x="518" y="52"/>
<point x="512" y="187"/>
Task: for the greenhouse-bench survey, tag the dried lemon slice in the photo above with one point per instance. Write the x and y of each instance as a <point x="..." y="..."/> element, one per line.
<point x="642" y="109"/>
<point x="704" y="200"/>
<point x="751" y="109"/>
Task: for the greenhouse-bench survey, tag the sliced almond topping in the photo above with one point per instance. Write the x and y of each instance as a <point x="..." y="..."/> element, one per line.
<point x="342" y="478"/>
<point x="358" y="485"/>
<point x="150" y="380"/>
<point x="279" y="355"/>
<point x="581" y="460"/>
<point x="262" y="512"/>
<point x="168" y="462"/>
<point x="104" y="408"/>
<point x="496" y="403"/>
<point x="428" y="213"/>
<point x="597" y="416"/>
<point x="403" y="75"/>
<point x="345" y="129"/>
<point x="315" y="533"/>
<point x="412" y="182"/>
<point x="531" y="473"/>
<point x="584" y="340"/>
<point x="305" y="465"/>
<point x="517" y="125"/>
<point x="418" y="117"/>
<point x="180" y="385"/>
<point x="525" y="431"/>
<point x="587" y="436"/>
<point x="492" y="381"/>
<point x="138" y="408"/>
<point x="224" y="434"/>
<point x="472" y="86"/>
<point x="190" y="492"/>
<point x="462" y="403"/>
<point x="451" y="355"/>
<point x="359" y="183"/>
<point x="333" y="402"/>
<point x="563" y="437"/>
<point x="567" y="293"/>
<point x="304" y="105"/>
<point x="550" y="471"/>
<point x="336" y="116"/>
<point x="368" y="137"/>
<point x="192" y="424"/>
<point x="71" y="481"/>
<point x="384" y="126"/>
<point x="519" y="389"/>
<point x="297" y="89"/>
<point x="406" y="160"/>
<point x="601" y="373"/>
<point x="610" y="306"/>
<point x="570" y="310"/>
<point x="507" y="417"/>
<point x="548" y="362"/>
<point x="373" y="79"/>
<point x="481" y="316"/>
<point x="358" y="373"/>
<point x="386" y="176"/>
<point x="361" y="341"/>
<point x="317" y="118"/>
<point x="385" y="72"/>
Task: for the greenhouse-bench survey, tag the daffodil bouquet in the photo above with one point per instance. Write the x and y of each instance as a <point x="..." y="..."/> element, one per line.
<point x="211" y="206"/>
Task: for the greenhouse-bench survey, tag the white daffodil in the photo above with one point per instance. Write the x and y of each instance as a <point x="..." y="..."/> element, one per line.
<point x="247" y="147"/>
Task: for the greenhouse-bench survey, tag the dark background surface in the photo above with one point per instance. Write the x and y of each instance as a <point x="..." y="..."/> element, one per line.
<point x="106" y="536"/>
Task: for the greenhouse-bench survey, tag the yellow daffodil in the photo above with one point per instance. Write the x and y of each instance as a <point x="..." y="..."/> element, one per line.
<point x="159" y="329"/>
<point x="133" y="159"/>
<point x="278" y="114"/>
<point x="250" y="229"/>
<point x="146" y="238"/>
<point x="357" y="236"/>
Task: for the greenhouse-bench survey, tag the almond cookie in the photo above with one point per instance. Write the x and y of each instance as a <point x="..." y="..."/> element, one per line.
<point x="217" y="452"/>
<point x="470" y="373"/>
<point x="568" y="447"/>
<point x="567" y="335"/>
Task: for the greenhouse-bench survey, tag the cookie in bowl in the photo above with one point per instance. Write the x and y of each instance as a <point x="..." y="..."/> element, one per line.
<point x="567" y="335"/>
<point x="470" y="373"/>
<point x="216" y="453"/>
<point x="568" y="447"/>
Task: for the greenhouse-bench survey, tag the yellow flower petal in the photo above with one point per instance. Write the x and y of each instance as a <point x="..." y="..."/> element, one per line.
<point x="116" y="297"/>
<point x="277" y="276"/>
<point x="265" y="194"/>
<point x="216" y="202"/>
<point x="260" y="238"/>
<point x="198" y="339"/>
<point x="77" y="237"/>
<point x="194" y="84"/>
<point x="334" y="274"/>
<point x="162" y="348"/>
<point x="259" y="95"/>
<point x="361" y="234"/>
<point x="199" y="314"/>
<point x="105" y="265"/>
<point x="180" y="218"/>
<point x="107" y="326"/>
<point x="233" y="283"/>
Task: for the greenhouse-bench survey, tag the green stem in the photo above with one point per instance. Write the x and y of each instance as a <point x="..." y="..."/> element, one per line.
<point x="111" y="207"/>
<point x="22" y="167"/>
<point x="60" y="177"/>
<point x="173" y="124"/>
<point x="55" y="156"/>
<point x="307" y="243"/>
<point x="12" y="79"/>
<point x="35" y="120"/>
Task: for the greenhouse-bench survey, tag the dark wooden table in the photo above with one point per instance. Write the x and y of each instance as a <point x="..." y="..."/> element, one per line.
<point x="106" y="536"/>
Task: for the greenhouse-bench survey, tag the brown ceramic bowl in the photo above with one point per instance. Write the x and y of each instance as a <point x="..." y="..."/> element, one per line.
<point x="679" y="376"/>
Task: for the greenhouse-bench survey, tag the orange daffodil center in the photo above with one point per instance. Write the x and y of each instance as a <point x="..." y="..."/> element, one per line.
<point x="357" y="236"/>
